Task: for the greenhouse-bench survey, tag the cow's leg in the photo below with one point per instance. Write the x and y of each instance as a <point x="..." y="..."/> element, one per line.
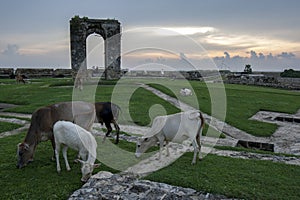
<point x="161" y="146"/>
<point x="64" y="152"/>
<point x="117" y="130"/>
<point x="53" y="147"/>
<point x="31" y="158"/>
<point x="199" y="146"/>
<point x="109" y="129"/>
<point x="57" y="149"/>
<point x="195" y="152"/>
<point x="167" y="148"/>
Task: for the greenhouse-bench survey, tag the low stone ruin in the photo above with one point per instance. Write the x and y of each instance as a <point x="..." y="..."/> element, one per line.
<point x="106" y="185"/>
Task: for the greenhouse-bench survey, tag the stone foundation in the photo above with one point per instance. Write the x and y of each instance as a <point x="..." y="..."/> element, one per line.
<point x="106" y="185"/>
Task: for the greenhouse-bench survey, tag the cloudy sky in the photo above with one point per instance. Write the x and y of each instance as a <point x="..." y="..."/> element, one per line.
<point x="175" y="33"/>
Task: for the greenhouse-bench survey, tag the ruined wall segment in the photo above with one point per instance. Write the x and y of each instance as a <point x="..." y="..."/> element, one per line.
<point x="109" y="29"/>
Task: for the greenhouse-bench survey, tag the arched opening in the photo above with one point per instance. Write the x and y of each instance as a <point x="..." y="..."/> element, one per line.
<point x="95" y="52"/>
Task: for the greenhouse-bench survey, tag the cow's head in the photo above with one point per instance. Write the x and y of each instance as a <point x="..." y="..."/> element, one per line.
<point x="24" y="154"/>
<point x="143" y="144"/>
<point x="87" y="169"/>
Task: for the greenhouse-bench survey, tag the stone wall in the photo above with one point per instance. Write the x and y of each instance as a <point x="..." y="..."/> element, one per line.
<point x="189" y="75"/>
<point x="264" y="80"/>
<point x="35" y="72"/>
<point x="6" y="72"/>
<point x="106" y="185"/>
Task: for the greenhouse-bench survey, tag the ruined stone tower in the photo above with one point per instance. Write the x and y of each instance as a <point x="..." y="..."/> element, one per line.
<point x="109" y="29"/>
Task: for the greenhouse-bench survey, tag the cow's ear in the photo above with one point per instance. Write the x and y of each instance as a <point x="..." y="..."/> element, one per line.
<point x="96" y="165"/>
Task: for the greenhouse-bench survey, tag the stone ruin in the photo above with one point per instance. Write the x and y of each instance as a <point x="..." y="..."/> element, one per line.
<point x="109" y="29"/>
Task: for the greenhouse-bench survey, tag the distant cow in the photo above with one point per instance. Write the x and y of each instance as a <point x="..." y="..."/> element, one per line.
<point x="68" y="134"/>
<point x="42" y="121"/>
<point x="19" y="78"/>
<point x="107" y="113"/>
<point x="173" y="128"/>
<point x="185" y="92"/>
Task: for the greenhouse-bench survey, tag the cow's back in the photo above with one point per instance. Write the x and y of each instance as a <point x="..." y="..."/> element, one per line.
<point x="79" y="112"/>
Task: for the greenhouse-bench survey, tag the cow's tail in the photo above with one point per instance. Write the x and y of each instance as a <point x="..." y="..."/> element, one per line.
<point x="199" y="133"/>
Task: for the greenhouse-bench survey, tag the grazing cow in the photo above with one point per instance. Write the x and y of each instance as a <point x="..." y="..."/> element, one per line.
<point x="107" y="113"/>
<point x="186" y="92"/>
<point x="42" y="121"/>
<point x="71" y="135"/>
<point x="19" y="78"/>
<point x="81" y="76"/>
<point x="173" y="128"/>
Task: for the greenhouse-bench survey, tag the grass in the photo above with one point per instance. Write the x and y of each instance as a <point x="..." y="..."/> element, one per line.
<point x="249" y="179"/>
<point x="39" y="180"/>
<point x="243" y="149"/>
<point x="242" y="102"/>
<point x="13" y="117"/>
<point x="235" y="178"/>
<point x="6" y="126"/>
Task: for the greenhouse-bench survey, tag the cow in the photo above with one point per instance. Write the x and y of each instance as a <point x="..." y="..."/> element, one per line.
<point x="173" y="128"/>
<point x="107" y="113"/>
<point x="42" y="121"/>
<point x="68" y="134"/>
<point x="186" y="92"/>
<point x="19" y="78"/>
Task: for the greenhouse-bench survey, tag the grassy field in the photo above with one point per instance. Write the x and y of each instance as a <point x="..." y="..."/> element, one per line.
<point x="242" y="102"/>
<point x="249" y="179"/>
<point x="236" y="178"/>
<point x="6" y="126"/>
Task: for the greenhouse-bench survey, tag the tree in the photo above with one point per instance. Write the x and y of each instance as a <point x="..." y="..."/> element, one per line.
<point x="248" y="69"/>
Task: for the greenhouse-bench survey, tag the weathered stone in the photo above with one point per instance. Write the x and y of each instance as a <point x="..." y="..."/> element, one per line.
<point x="130" y="188"/>
<point x="109" y="29"/>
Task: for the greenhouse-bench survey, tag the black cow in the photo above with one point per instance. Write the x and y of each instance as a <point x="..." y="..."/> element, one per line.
<point x="107" y="113"/>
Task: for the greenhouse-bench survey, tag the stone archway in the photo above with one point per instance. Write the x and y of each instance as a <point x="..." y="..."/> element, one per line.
<point x="109" y="29"/>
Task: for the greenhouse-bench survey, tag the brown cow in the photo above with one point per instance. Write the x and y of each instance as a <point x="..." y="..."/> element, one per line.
<point x="42" y="121"/>
<point x="19" y="78"/>
<point x="107" y="113"/>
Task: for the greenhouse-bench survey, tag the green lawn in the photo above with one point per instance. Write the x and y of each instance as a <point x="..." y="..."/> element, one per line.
<point x="236" y="178"/>
<point x="249" y="179"/>
<point x="38" y="180"/>
<point x="241" y="102"/>
<point x="6" y="126"/>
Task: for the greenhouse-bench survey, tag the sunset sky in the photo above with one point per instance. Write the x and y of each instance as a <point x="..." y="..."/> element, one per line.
<point x="232" y="33"/>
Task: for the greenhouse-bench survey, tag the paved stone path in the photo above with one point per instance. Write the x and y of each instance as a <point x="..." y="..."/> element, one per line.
<point x="286" y="138"/>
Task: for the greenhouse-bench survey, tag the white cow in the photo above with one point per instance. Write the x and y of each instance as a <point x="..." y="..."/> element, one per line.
<point x="185" y="92"/>
<point x="71" y="135"/>
<point x="173" y="128"/>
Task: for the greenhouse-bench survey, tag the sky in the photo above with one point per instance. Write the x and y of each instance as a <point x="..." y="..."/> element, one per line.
<point x="175" y="34"/>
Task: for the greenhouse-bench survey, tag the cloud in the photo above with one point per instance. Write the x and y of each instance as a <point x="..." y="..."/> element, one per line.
<point x="286" y="55"/>
<point x="259" y="61"/>
<point x="11" y="49"/>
